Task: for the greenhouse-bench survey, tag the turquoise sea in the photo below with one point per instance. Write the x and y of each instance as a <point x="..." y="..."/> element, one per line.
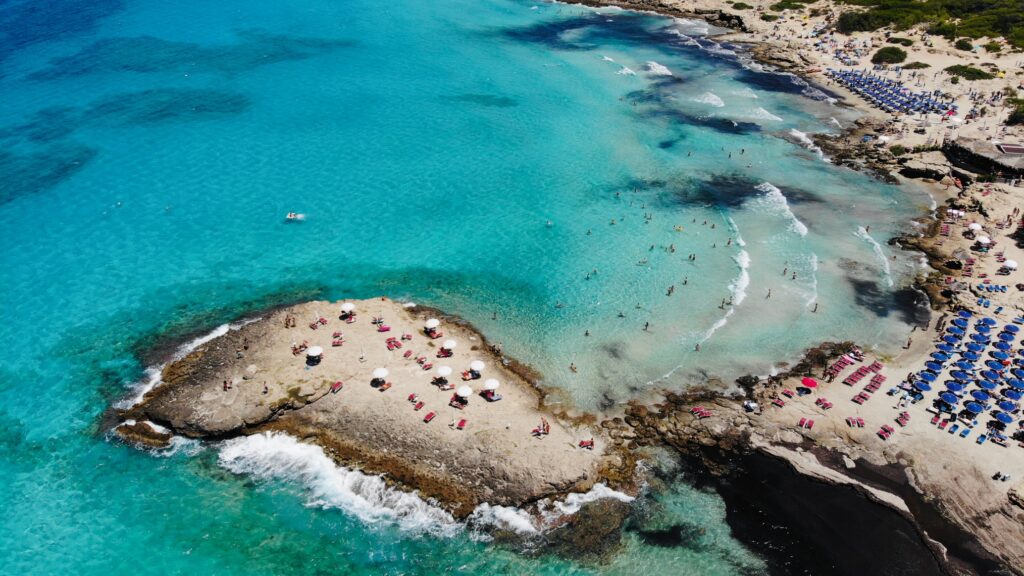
<point x="467" y="154"/>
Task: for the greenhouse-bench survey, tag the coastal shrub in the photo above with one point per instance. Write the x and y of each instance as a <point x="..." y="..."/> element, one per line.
<point x="742" y="6"/>
<point x="949" y="18"/>
<point x="769" y="17"/>
<point x="993" y="47"/>
<point x="916" y="66"/>
<point x="1016" y="117"/>
<point x="964" y="44"/>
<point x="889" y="55"/>
<point x="954" y="80"/>
<point x="788" y="5"/>
<point x="897" y="150"/>
<point x="968" y="72"/>
<point x="900" y="41"/>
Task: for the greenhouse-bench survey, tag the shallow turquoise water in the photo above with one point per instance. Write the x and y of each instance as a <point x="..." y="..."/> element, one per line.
<point x="471" y="155"/>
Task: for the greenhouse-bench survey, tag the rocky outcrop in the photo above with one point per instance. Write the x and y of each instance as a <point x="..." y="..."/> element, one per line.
<point x="593" y="534"/>
<point x="142" y="434"/>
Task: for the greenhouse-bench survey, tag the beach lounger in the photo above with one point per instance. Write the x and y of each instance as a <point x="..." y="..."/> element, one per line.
<point x="860" y="422"/>
<point x="778" y="402"/>
<point x="336" y="335"/>
<point x="418" y="406"/>
<point x="435" y="335"/>
<point x="407" y="354"/>
<point x="587" y="444"/>
<point x="336" y="386"/>
<point x="954" y="428"/>
<point x="430" y="416"/>
<point x="850" y="421"/>
<point x="982" y="438"/>
<point x="413" y="398"/>
<point x="337" y="342"/>
<point x="802" y="422"/>
<point x="882" y="434"/>
<point x="943" y="424"/>
<point x="888" y="428"/>
<point x="383" y="328"/>
<point x="461" y="425"/>
<point x="935" y="419"/>
<point x="428" y="366"/>
<point x="810" y="424"/>
<point x="788" y="393"/>
<point x="965" y="432"/>
<point x="384" y="387"/>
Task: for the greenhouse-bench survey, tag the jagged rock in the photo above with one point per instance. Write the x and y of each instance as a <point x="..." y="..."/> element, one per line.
<point x="143" y="434"/>
<point x="592" y="534"/>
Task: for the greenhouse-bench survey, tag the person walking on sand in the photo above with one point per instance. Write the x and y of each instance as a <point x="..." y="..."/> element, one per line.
<point x="769" y="294"/>
<point x="646" y="326"/>
<point x="572" y="367"/>
<point x="697" y="347"/>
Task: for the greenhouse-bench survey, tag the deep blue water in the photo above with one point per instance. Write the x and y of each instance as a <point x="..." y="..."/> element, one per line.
<point x="471" y="155"/>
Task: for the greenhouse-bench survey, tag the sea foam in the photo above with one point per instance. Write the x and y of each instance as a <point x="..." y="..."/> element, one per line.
<point x="275" y="456"/>
<point x="777" y="202"/>
<point x="710" y="98"/>
<point x="806" y="141"/>
<point x="862" y="233"/>
<point x="658" y="69"/>
<point x="626" y="71"/>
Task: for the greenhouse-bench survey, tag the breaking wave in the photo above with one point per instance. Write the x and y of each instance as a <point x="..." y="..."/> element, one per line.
<point x="710" y="98"/>
<point x="862" y="233"/>
<point x="776" y="200"/>
<point x="658" y="69"/>
<point x="807" y="143"/>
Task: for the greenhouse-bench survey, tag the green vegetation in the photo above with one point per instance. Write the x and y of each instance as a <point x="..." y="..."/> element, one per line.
<point x="993" y="46"/>
<point x="900" y="41"/>
<point x="769" y="17"/>
<point x="889" y="55"/>
<point x="1017" y="115"/>
<point x="742" y="6"/>
<point x="964" y="44"/>
<point x="898" y="150"/>
<point x="916" y="66"/>
<point x="789" y="5"/>
<point x="968" y="73"/>
<point x="949" y="18"/>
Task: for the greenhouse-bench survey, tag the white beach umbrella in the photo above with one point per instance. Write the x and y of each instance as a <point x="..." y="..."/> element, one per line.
<point x="974" y="226"/>
<point x="433" y="323"/>
<point x="984" y="240"/>
<point x="315" y="351"/>
<point x="449" y="344"/>
<point x="464" y="391"/>
<point x="444" y="371"/>
<point x="380" y="373"/>
<point x="348" y="307"/>
<point x="476" y="365"/>
<point x="491" y="384"/>
<point x="1011" y="264"/>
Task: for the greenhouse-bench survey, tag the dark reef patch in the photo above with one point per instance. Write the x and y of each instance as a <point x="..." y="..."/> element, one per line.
<point x="164" y="105"/>
<point x="488" y="100"/>
<point x="589" y="30"/>
<point x="127" y="109"/>
<point x="676" y="536"/>
<point x="24" y="174"/>
<point x="146" y="54"/>
<point x="911" y="305"/>
<point x="29" y="22"/>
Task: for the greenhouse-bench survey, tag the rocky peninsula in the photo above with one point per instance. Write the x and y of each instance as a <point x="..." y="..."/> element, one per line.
<point x="386" y="388"/>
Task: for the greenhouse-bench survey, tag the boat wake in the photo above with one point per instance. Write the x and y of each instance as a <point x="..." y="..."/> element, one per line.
<point x="862" y="233"/>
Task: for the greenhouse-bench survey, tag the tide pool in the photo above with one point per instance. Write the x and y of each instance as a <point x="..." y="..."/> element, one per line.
<point x="468" y="155"/>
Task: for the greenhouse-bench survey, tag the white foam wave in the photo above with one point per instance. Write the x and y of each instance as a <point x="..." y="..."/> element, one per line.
<point x="691" y="27"/>
<point x="573" y="502"/>
<point x="814" y="280"/>
<point x="152" y="375"/>
<point x="862" y="233"/>
<point x="504" y="517"/>
<point x="836" y="122"/>
<point x="626" y="71"/>
<point x="738" y="287"/>
<point x="710" y="98"/>
<point x="607" y="59"/>
<point x="762" y="114"/>
<point x="280" y="457"/>
<point x="745" y="92"/>
<point x="776" y="200"/>
<point x="658" y="69"/>
<point x="806" y="141"/>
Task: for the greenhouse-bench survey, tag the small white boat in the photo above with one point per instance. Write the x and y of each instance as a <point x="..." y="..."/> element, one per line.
<point x="294" y="217"/>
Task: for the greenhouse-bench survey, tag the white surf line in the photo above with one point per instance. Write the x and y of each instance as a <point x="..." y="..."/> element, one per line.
<point x="153" y="374"/>
<point x="862" y="233"/>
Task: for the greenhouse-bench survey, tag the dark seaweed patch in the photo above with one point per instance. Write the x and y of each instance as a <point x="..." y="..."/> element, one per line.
<point x="910" y="305"/>
<point x="146" y="54"/>
<point x="46" y="125"/>
<point x="677" y="536"/>
<point x="24" y="174"/>
<point x="591" y="29"/>
<point x="727" y="191"/>
<point x="29" y="22"/>
<point x="489" y="100"/>
<point x="165" y="104"/>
